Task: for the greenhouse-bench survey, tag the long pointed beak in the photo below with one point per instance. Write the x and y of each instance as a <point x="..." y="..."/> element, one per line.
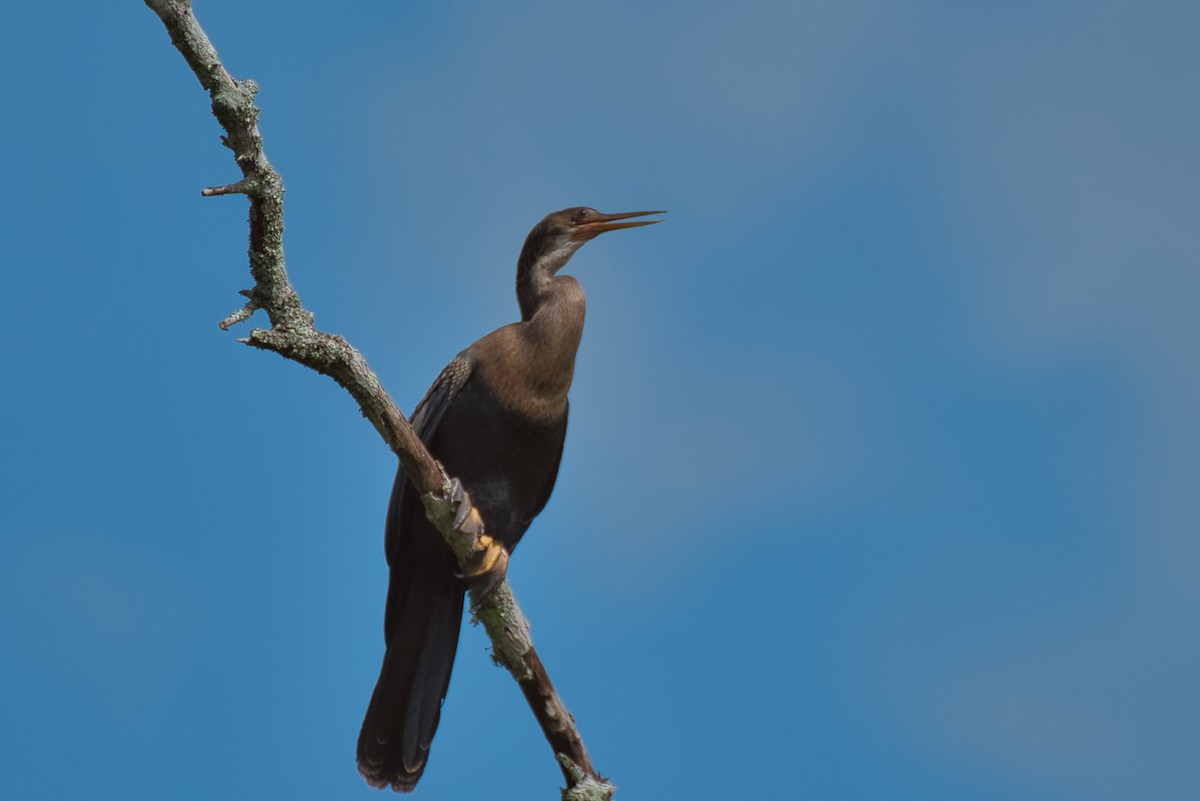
<point x="611" y="222"/>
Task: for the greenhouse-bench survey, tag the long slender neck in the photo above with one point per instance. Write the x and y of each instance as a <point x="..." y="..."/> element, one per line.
<point x="551" y="339"/>
<point x="529" y="365"/>
<point x="539" y="261"/>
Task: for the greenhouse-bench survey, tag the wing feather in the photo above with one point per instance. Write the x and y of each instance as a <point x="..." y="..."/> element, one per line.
<point x="425" y="419"/>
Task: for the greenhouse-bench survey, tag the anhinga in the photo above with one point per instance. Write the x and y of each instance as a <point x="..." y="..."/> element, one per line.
<point x="495" y="418"/>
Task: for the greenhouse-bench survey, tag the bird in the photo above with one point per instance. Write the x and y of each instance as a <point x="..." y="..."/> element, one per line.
<point x="496" y="419"/>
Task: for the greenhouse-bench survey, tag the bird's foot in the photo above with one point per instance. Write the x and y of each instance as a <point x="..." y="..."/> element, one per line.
<point x="488" y="566"/>
<point x="487" y="571"/>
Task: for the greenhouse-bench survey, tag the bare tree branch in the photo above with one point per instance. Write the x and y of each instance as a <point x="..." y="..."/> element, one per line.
<point x="293" y="336"/>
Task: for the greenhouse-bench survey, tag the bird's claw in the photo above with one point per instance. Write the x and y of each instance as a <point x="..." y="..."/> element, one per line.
<point x="489" y="565"/>
<point x="466" y="517"/>
<point x="486" y="570"/>
<point x="490" y="557"/>
<point x="454" y="488"/>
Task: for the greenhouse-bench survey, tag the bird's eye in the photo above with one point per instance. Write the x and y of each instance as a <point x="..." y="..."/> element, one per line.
<point x="582" y="215"/>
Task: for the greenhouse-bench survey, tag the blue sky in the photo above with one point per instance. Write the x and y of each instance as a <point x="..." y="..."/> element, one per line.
<point x="882" y="474"/>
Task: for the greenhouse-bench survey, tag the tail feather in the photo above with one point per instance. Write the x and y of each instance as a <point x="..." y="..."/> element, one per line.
<point x="407" y="702"/>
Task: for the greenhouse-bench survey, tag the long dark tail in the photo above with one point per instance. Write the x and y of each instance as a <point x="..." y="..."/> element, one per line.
<point x="404" y="710"/>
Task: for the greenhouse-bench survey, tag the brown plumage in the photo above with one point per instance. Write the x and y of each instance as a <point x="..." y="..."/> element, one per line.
<point x="496" y="418"/>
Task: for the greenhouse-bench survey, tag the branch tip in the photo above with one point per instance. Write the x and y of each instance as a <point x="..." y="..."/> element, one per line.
<point x="241" y="187"/>
<point x="240" y="316"/>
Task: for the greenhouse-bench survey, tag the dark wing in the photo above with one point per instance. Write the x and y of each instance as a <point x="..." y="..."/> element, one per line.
<point x="425" y="419"/>
<point x="421" y="620"/>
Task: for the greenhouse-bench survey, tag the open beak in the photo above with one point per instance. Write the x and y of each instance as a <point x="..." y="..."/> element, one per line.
<point x="613" y="222"/>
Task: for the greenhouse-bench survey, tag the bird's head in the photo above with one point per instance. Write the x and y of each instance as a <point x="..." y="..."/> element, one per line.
<point x="556" y="238"/>
<point x="582" y="223"/>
